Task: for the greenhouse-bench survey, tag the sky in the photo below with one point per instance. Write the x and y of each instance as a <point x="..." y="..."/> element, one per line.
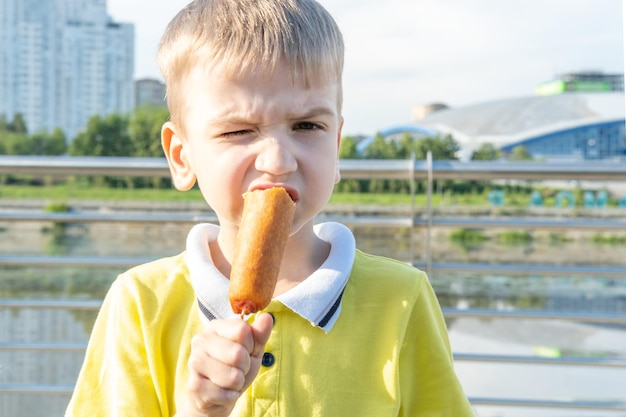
<point x="404" y="53"/>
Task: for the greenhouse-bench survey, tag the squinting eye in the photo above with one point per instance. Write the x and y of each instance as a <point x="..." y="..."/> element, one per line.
<point x="235" y="133"/>
<point x="308" y="126"/>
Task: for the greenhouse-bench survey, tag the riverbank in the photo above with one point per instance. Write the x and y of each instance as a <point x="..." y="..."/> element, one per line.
<point x="399" y="210"/>
<point x="479" y="234"/>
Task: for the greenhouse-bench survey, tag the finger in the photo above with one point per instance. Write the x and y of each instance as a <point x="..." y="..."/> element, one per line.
<point x="220" y="374"/>
<point x="235" y="330"/>
<point x="205" y="394"/>
<point x="261" y="330"/>
<point x="209" y="348"/>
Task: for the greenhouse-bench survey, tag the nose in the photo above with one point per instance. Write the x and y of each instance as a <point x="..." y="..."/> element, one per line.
<point x="276" y="156"/>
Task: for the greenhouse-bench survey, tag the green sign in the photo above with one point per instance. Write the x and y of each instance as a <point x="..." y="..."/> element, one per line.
<point x="558" y="87"/>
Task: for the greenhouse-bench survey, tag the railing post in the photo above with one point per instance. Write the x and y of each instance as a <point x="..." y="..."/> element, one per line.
<point x="429" y="217"/>
<point x="412" y="213"/>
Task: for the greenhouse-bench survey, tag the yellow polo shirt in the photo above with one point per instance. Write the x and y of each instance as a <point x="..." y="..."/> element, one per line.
<point x="387" y="354"/>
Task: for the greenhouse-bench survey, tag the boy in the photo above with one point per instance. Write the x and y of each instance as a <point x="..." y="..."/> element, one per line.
<point x="254" y="92"/>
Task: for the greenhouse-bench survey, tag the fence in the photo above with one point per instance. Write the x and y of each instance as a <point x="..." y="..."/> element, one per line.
<point x="381" y="169"/>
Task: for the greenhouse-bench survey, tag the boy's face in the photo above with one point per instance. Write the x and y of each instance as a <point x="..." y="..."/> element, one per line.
<point x="255" y="132"/>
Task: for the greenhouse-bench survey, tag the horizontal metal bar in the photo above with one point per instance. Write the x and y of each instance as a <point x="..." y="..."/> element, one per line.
<point x="448" y="312"/>
<point x="525" y="223"/>
<point x="541" y="360"/>
<point x="526" y="269"/>
<point x="485" y="401"/>
<point x="473" y="268"/>
<point x="78" y="261"/>
<point x="43" y="346"/>
<point x="36" y="389"/>
<point x="118" y="217"/>
<point x="564" y="404"/>
<point x="355" y="168"/>
<point x="148" y="217"/>
<point x="374" y="221"/>
<point x="465" y="357"/>
<point x="83" y="165"/>
<point x="585" y="316"/>
<point x="489" y="170"/>
<point x="51" y="304"/>
<point x="378" y="169"/>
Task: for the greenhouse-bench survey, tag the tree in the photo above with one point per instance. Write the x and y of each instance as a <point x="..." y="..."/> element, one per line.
<point x="145" y="135"/>
<point x="380" y="149"/>
<point x="57" y="143"/>
<point x="520" y="153"/>
<point x="444" y="149"/>
<point x="486" y="152"/>
<point x="12" y="143"/>
<point x="145" y="130"/>
<point x="104" y="137"/>
<point x="43" y="143"/>
<point x="18" y="125"/>
<point x="405" y="147"/>
<point x="348" y="148"/>
<point x="3" y="123"/>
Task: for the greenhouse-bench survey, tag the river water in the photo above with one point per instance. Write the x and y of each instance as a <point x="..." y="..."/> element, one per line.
<point x="468" y="335"/>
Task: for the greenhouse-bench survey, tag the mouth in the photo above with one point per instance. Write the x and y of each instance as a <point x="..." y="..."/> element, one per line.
<point x="292" y="192"/>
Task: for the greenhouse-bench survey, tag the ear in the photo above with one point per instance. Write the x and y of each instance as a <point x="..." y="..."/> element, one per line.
<point x="177" y="156"/>
<point x="337" y="173"/>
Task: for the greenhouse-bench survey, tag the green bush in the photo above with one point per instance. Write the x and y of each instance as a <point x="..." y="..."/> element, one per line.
<point x="609" y="240"/>
<point x="467" y="236"/>
<point x="515" y="237"/>
<point x="57" y="207"/>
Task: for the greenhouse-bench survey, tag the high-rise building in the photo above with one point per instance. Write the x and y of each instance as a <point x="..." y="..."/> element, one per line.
<point x="62" y="62"/>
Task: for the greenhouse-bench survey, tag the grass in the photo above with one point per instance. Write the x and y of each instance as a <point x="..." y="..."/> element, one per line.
<point x="80" y="190"/>
<point x="66" y="192"/>
<point x="367" y="198"/>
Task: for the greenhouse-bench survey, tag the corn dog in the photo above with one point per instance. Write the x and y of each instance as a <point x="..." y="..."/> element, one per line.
<point x="263" y="232"/>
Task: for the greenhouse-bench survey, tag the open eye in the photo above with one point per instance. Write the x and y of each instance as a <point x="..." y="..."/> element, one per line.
<point x="308" y="126"/>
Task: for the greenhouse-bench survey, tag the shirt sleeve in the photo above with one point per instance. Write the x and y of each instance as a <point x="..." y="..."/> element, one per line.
<point x="115" y="379"/>
<point x="429" y="385"/>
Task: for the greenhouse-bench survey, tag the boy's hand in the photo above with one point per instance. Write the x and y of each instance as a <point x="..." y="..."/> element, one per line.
<point x="224" y="361"/>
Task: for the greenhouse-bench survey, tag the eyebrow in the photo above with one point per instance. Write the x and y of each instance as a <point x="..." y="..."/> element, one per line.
<point x="313" y="112"/>
<point x="308" y="113"/>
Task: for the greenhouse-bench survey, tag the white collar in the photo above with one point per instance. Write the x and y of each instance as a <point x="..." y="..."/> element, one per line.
<point x="317" y="299"/>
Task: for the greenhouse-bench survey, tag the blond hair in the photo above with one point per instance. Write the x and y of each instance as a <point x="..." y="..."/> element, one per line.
<point x="251" y="35"/>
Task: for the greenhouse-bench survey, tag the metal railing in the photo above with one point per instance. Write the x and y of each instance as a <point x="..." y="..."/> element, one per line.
<point x="384" y="169"/>
<point x="379" y="169"/>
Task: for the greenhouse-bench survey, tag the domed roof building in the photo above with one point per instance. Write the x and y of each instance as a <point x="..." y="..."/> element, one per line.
<point x="572" y="125"/>
<point x="576" y="124"/>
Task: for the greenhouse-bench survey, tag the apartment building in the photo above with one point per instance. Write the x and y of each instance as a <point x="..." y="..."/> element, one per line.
<point x="62" y="62"/>
<point x="149" y="91"/>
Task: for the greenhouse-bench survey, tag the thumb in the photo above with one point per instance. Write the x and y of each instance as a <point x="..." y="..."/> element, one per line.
<point x="261" y="329"/>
